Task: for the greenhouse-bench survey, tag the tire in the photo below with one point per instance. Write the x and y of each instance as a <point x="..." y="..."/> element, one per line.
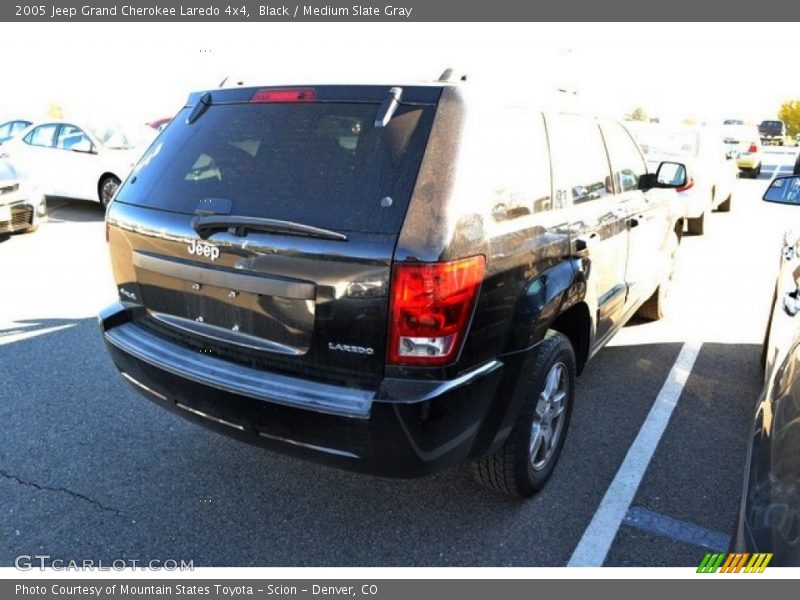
<point x="524" y="463"/>
<point x="756" y="172"/>
<point x="696" y="226"/>
<point x="725" y="206"/>
<point x="107" y="188"/>
<point x="657" y="306"/>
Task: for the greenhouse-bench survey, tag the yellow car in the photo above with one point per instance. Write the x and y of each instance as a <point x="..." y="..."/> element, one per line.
<point x="744" y="143"/>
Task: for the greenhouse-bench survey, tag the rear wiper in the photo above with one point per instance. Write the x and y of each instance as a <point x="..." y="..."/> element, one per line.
<point x="205" y="225"/>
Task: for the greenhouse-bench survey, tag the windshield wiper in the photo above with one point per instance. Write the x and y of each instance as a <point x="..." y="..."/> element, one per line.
<point x="205" y="225"/>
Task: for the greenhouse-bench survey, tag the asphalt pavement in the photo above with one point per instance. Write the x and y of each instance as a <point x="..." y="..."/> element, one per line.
<point x="91" y="470"/>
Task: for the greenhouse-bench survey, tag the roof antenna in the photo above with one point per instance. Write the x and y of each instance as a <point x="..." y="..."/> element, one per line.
<point x="224" y="80"/>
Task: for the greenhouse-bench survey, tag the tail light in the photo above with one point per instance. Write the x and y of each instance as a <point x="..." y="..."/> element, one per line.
<point x="285" y="95"/>
<point x="753" y="149"/>
<point x="689" y="185"/>
<point x="431" y="304"/>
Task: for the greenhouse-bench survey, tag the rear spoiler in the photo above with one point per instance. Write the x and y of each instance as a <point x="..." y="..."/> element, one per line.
<point x="377" y="94"/>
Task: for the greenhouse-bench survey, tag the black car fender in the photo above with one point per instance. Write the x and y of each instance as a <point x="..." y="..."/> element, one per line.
<point x="544" y="298"/>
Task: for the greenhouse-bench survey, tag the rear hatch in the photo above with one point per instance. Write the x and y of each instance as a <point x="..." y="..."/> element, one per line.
<point x="771" y="128"/>
<point x="260" y="226"/>
<point x="741" y="140"/>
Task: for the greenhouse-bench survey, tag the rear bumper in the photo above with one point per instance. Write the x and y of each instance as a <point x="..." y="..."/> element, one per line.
<point x="405" y="428"/>
<point x="748" y="162"/>
<point x="695" y="202"/>
<point x="23" y="215"/>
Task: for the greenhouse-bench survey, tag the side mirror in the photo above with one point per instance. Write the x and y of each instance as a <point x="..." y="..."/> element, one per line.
<point x="784" y="190"/>
<point x="83" y="146"/>
<point x="671" y="175"/>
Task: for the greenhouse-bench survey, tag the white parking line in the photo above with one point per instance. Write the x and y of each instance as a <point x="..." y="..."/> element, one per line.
<point x="599" y="535"/>
<point x="17" y="335"/>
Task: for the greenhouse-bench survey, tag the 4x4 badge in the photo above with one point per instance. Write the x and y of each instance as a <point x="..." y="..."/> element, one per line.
<point x="203" y="249"/>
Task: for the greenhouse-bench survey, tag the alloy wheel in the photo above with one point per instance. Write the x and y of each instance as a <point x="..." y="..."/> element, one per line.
<point x="548" y="418"/>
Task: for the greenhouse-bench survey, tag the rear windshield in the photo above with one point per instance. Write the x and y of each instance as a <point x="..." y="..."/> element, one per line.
<point x="320" y="164"/>
<point x="7" y="172"/>
<point x="733" y="135"/>
<point x="772" y="124"/>
<point x="668" y="143"/>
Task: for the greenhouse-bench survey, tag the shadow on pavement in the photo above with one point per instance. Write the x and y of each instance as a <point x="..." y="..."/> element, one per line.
<point x="696" y="475"/>
<point x="63" y="210"/>
<point x="89" y="469"/>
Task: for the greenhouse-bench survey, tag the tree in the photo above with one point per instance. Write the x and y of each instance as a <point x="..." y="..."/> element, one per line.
<point x="790" y="115"/>
<point x="54" y="111"/>
<point x="638" y="114"/>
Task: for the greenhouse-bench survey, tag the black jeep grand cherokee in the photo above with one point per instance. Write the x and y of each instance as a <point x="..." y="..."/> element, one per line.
<point x="387" y="279"/>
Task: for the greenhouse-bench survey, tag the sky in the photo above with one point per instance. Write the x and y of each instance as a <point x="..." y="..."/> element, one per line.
<point x="137" y="72"/>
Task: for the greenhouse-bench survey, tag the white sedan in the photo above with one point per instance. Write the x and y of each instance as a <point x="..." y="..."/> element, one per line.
<point x="73" y="161"/>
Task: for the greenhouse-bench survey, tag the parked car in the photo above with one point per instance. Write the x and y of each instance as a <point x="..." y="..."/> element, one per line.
<point x="772" y="132"/>
<point x="712" y="171"/>
<point x="22" y="205"/>
<point x="77" y="161"/>
<point x="11" y="129"/>
<point x="384" y="279"/>
<point x="728" y="122"/>
<point x="744" y="144"/>
<point x="769" y="519"/>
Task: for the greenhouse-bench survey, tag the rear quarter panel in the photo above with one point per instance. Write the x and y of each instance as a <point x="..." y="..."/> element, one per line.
<point x="454" y="214"/>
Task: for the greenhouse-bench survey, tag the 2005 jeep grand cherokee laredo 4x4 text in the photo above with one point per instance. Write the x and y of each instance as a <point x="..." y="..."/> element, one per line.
<point x="386" y="279"/>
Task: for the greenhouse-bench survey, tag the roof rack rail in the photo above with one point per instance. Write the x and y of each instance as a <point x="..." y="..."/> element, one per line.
<point x="449" y="74"/>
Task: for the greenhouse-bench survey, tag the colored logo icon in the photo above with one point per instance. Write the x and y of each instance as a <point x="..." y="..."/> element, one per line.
<point x="735" y="562"/>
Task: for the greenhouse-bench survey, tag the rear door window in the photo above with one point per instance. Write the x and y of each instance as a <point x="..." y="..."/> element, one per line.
<point x="69" y="137"/>
<point x="44" y="135"/>
<point x="320" y="164"/>
<point x="580" y="162"/>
